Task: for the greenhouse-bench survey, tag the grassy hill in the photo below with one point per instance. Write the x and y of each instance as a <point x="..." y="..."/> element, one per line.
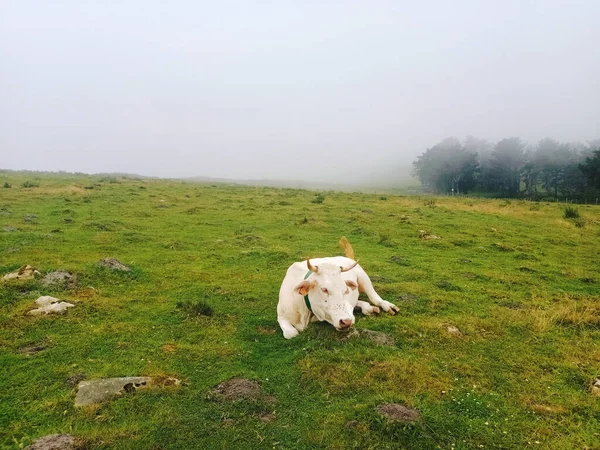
<point x="518" y="280"/>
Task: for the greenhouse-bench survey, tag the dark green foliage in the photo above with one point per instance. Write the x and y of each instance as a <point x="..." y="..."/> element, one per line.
<point x="6" y="185"/>
<point x="319" y="198"/>
<point x="571" y="213"/>
<point x="195" y="308"/>
<point x="30" y="184"/>
<point x="512" y="170"/>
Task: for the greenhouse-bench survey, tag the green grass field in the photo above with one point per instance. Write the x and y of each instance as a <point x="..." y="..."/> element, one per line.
<point x="519" y="281"/>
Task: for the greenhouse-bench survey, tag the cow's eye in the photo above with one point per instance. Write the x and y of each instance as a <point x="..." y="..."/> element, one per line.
<point x="325" y="291"/>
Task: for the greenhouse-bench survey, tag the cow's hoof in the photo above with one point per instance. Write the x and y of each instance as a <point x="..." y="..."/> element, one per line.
<point x="376" y="310"/>
<point x="391" y="312"/>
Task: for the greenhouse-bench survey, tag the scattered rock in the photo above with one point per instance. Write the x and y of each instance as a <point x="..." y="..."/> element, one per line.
<point x="58" y="279"/>
<point x="379" y="338"/>
<point x="26" y="272"/>
<point x="53" y="442"/>
<point x="395" y="412"/>
<point x="266" y="417"/>
<point x="32" y="349"/>
<point x="405" y="297"/>
<point x="97" y="391"/>
<point x="9" y="229"/>
<point x="266" y="330"/>
<point x="165" y="381"/>
<point x="74" y="380"/>
<point x="596" y="387"/>
<point x="465" y="260"/>
<point x="453" y="331"/>
<point x="237" y="389"/>
<point x="427" y="235"/>
<point x="114" y="264"/>
<point x="68" y="220"/>
<point x="50" y="305"/>
<point x="86" y="293"/>
<point x="29" y="218"/>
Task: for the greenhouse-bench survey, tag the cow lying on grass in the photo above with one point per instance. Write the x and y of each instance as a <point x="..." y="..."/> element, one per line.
<point x="326" y="289"/>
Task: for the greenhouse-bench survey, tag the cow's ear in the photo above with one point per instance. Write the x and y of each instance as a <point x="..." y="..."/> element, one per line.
<point x="351" y="284"/>
<point x="304" y="287"/>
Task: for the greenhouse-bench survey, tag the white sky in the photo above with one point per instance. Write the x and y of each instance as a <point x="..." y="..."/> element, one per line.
<point x="303" y="90"/>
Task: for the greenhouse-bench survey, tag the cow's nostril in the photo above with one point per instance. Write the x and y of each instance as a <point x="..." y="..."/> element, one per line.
<point x="345" y="323"/>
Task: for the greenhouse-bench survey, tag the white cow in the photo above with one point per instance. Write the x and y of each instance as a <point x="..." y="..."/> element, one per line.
<point x="326" y="289"/>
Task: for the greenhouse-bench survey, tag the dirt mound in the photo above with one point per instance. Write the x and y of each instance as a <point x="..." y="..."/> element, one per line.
<point x="237" y="389"/>
<point x="395" y="412"/>
<point x="58" y="279"/>
<point x="114" y="264"/>
<point x="53" y="442"/>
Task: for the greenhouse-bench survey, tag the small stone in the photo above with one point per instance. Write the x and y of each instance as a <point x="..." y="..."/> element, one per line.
<point x="114" y="264"/>
<point x="266" y="417"/>
<point x="29" y="218"/>
<point x="53" y="442"/>
<point x="596" y="387"/>
<point x="50" y="305"/>
<point x="395" y="412"/>
<point x="9" y="229"/>
<point x="427" y="235"/>
<point x="92" y="392"/>
<point x="26" y="272"/>
<point x="453" y="331"/>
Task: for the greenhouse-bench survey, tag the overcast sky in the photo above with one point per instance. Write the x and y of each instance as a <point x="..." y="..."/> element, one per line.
<point x="286" y="89"/>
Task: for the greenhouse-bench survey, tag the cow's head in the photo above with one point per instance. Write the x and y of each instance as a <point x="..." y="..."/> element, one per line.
<point x="329" y="294"/>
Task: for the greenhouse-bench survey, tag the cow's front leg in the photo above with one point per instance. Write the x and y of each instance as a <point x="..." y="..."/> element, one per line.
<point x="289" y="331"/>
<point x="365" y="285"/>
<point x="366" y="308"/>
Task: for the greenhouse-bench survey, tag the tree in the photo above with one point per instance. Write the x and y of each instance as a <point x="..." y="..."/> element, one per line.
<point x="507" y="160"/>
<point x="591" y="169"/>
<point x="447" y="166"/>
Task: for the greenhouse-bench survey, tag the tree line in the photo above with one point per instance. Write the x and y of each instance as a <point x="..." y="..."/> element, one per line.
<point x="511" y="168"/>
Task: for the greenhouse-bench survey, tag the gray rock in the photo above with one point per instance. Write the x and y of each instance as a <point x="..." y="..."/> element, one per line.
<point x="453" y="331"/>
<point x="9" y="229"/>
<point x="596" y="387"/>
<point x="395" y="412"/>
<point x="29" y="218"/>
<point x="92" y="392"/>
<point x="114" y="264"/>
<point x="26" y="272"/>
<point x="53" y="442"/>
<point x="58" y="279"/>
<point x="32" y="349"/>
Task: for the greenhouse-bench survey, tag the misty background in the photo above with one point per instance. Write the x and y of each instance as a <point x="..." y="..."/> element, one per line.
<point x="347" y="92"/>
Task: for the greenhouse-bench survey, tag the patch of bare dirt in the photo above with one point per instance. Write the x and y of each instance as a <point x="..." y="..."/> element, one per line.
<point x="237" y="389"/>
<point x="53" y="442"/>
<point x="395" y="412"/>
<point x="114" y="264"/>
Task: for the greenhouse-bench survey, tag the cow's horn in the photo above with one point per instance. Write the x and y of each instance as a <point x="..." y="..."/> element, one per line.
<point x="346" y="269"/>
<point x="312" y="268"/>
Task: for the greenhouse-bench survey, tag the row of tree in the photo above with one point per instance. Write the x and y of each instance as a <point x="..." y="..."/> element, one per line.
<point x="511" y="168"/>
